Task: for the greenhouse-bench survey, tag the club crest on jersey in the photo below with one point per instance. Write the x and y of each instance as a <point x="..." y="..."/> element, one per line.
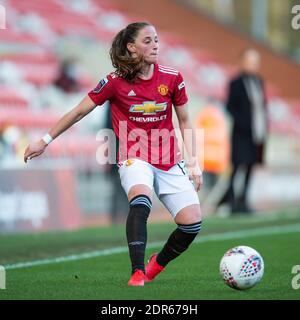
<point x="149" y="107"/>
<point x="163" y="89"/>
<point x="100" y="85"/>
<point x="129" y="162"/>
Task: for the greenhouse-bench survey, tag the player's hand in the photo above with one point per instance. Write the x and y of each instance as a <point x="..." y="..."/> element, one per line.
<point x="34" y="150"/>
<point x="195" y="175"/>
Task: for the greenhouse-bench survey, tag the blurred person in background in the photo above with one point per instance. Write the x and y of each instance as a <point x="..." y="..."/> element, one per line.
<point x="67" y="79"/>
<point x="11" y="138"/>
<point x="246" y="104"/>
<point x="142" y="95"/>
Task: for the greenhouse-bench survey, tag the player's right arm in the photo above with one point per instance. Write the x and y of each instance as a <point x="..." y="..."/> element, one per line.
<point x="104" y="91"/>
<point x="76" y="114"/>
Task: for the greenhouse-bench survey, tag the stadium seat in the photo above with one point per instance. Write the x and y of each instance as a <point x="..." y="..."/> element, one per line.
<point x="10" y="97"/>
<point x="24" y="119"/>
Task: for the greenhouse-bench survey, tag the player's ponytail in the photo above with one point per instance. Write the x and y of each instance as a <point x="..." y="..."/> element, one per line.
<point x="126" y="66"/>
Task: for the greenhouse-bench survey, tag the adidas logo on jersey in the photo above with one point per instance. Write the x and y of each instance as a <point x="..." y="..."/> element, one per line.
<point x="131" y="93"/>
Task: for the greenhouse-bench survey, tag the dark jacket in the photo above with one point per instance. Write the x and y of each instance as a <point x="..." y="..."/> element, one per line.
<point x="243" y="148"/>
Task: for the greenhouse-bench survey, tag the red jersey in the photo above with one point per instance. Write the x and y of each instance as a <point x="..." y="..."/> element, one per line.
<point x="142" y="114"/>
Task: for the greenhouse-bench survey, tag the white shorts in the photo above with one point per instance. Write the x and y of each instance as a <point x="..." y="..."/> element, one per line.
<point x="172" y="187"/>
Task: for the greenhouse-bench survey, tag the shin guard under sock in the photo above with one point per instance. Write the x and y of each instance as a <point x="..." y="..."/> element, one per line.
<point x="136" y="230"/>
<point x="178" y="242"/>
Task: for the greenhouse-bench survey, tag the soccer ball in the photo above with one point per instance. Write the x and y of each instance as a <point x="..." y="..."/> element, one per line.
<point x="241" y="267"/>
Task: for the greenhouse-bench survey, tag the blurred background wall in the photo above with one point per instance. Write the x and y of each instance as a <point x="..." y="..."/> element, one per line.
<point x="53" y="52"/>
<point x="267" y="21"/>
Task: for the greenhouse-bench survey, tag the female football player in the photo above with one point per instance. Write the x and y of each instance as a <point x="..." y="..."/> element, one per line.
<point x="141" y="94"/>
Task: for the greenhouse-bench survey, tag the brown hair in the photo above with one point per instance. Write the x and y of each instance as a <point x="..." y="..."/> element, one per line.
<point x="126" y="66"/>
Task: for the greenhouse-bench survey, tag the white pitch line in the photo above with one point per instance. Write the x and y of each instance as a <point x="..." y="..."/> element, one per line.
<point x="290" y="228"/>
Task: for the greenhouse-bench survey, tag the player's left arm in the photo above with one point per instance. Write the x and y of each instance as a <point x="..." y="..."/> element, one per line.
<point x="189" y="139"/>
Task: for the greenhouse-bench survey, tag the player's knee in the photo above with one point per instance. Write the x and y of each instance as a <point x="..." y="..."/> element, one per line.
<point x="139" y="190"/>
<point x="189" y="215"/>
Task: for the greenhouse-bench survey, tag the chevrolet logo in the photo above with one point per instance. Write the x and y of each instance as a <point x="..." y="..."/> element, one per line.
<point x="148" y="107"/>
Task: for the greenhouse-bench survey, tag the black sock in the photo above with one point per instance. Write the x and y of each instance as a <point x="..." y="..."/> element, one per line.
<point x="178" y="242"/>
<point x="136" y="230"/>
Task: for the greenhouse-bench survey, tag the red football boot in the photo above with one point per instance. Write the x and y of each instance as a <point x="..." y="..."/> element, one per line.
<point x="153" y="268"/>
<point x="137" y="279"/>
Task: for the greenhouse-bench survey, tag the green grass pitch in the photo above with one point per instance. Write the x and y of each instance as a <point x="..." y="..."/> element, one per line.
<point x="194" y="275"/>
